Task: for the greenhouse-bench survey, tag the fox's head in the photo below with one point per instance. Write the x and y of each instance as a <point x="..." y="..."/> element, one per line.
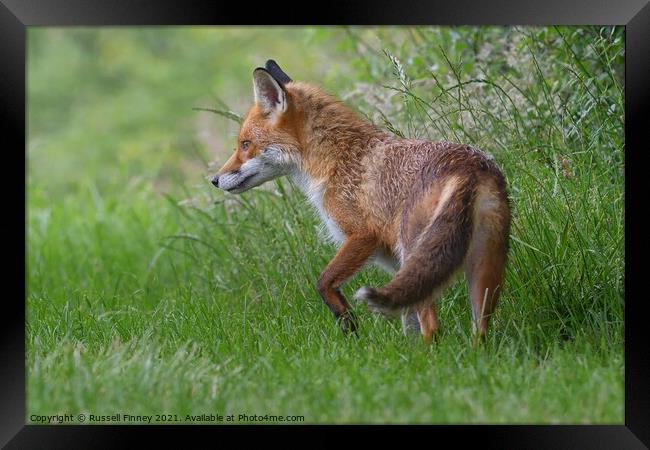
<point x="268" y="145"/>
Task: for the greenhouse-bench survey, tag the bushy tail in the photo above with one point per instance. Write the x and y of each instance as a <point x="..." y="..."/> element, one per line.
<point x="436" y="255"/>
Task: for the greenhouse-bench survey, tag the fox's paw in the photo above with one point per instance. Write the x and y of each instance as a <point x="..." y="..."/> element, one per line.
<point x="375" y="301"/>
<point x="348" y="322"/>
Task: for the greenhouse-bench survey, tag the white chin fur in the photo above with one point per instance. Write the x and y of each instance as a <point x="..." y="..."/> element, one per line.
<point x="270" y="164"/>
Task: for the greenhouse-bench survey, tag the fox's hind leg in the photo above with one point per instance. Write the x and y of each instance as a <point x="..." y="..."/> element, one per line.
<point x="410" y="321"/>
<point x="485" y="261"/>
<point x="428" y="318"/>
<point x="485" y="277"/>
<point x="422" y="318"/>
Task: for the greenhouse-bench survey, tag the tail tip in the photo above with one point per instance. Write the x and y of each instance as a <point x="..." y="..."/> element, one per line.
<point x="365" y="294"/>
<point x="375" y="301"/>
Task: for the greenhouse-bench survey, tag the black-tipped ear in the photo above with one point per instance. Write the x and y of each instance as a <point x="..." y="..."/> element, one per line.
<point x="269" y="94"/>
<point x="277" y="73"/>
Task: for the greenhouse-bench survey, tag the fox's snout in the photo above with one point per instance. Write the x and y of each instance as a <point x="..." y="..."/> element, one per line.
<point x="239" y="180"/>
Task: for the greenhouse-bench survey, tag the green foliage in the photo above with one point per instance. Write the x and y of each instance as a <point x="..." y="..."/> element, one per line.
<point x="151" y="292"/>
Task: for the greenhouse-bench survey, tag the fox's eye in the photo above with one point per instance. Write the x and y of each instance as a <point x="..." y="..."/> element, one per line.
<point x="245" y="144"/>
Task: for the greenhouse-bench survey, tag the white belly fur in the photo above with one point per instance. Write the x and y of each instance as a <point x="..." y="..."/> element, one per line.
<point x="388" y="263"/>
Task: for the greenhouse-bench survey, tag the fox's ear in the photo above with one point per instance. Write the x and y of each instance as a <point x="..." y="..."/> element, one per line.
<point x="268" y="92"/>
<point x="277" y="73"/>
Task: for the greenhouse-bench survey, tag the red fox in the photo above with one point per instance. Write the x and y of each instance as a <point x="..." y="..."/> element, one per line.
<point x="422" y="210"/>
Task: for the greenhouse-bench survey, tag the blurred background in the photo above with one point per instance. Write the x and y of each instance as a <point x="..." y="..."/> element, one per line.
<point x="114" y="106"/>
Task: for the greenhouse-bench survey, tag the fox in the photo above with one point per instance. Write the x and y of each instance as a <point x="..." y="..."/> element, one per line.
<point x="423" y="211"/>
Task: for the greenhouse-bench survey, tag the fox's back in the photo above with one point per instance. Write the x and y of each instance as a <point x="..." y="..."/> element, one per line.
<point x="403" y="169"/>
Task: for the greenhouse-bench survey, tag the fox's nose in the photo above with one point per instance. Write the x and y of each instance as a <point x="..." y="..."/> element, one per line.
<point x="215" y="180"/>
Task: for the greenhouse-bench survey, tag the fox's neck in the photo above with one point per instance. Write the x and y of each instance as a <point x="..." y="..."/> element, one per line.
<point x="331" y="135"/>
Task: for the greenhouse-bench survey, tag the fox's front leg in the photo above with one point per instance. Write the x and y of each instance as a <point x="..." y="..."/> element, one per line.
<point x="351" y="257"/>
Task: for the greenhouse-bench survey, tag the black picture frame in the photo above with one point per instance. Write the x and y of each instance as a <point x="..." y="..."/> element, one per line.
<point x="16" y="15"/>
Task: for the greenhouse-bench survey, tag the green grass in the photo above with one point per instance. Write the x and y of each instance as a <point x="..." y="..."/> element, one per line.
<point x="150" y="292"/>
